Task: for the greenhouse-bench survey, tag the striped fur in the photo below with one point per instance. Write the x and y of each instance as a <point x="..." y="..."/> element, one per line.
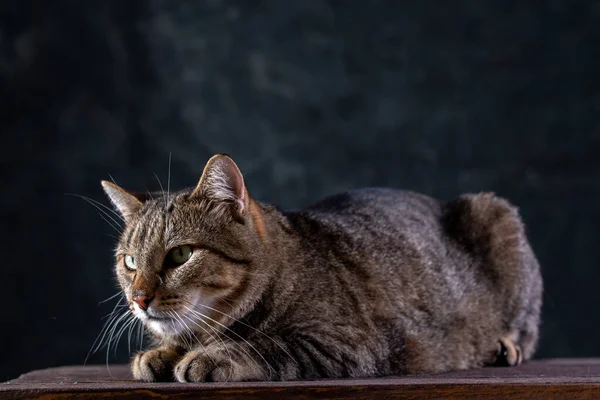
<point x="366" y="283"/>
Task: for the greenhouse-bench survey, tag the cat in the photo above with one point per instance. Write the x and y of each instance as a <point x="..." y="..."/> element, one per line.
<point x="367" y="283"/>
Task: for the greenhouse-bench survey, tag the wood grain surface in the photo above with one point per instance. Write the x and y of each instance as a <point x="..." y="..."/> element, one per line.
<point x="540" y="379"/>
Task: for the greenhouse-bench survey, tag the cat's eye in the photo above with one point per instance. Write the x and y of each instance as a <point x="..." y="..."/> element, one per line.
<point x="130" y="263"/>
<point x="178" y="256"/>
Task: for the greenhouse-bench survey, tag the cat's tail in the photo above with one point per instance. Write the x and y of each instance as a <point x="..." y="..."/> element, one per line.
<point x="491" y="230"/>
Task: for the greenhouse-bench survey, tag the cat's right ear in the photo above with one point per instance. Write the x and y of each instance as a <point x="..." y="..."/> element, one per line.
<point x="223" y="184"/>
<point x="125" y="202"/>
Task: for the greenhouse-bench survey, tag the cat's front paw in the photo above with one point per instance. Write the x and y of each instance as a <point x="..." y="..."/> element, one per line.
<point x="204" y="365"/>
<point x="155" y="365"/>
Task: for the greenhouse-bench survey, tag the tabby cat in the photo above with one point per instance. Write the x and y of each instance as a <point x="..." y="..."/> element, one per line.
<point x="367" y="283"/>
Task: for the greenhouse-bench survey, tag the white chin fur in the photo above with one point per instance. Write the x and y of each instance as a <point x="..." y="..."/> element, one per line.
<point x="165" y="327"/>
<point x="171" y="326"/>
<point x="160" y="327"/>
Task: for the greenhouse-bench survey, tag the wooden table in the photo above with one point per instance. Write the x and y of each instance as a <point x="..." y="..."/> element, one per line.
<point x="542" y="379"/>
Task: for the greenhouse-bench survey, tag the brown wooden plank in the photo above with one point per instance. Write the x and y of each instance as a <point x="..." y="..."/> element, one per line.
<point x="561" y="378"/>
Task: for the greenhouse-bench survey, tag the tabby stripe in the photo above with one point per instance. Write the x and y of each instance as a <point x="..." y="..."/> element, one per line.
<point x="155" y="228"/>
<point x="280" y="361"/>
<point x="301" y="361"/>
<point x="315" y="362"/>
<point x="225" y="256"/>
<point x="215" y="285"/>
<point x="318" y="346"/>
<point x="235" y="295"/>
<point x="141" y="231"/>
<point x="128" y="238"/>
<point x="133" y="232"/>
<point x="348" y="287"/>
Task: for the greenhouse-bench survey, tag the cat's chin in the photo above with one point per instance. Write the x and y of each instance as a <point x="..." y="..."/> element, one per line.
<point x="161" y="325"/>
<point x="164" y="327"/>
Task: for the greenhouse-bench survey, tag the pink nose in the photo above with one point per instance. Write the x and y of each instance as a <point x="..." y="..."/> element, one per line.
<point x="142" y="300"/>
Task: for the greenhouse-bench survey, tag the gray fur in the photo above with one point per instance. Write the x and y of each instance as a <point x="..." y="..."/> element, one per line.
<point x="367" y="283"/>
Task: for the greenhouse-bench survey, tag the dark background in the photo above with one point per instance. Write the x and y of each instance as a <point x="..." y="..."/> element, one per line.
<point x="310" y="98"/>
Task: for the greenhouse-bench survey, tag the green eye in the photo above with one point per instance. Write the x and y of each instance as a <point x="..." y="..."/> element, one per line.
<point x="130" y="263"/>
<point x="178" y="255"/>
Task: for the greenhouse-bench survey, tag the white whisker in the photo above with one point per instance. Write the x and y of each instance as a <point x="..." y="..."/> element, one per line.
<point x="100" y="338"/>
<point x="222" y="343"/>
<point x="186" y="328"/>
<point x="199" y="314"/>
<point x="169" y="179"/>
<point x="126" y="325"/>
<point x="100" y="207"/>
<point x="159" y="183"/>
<point x="141" y="336"/>
<point x="112" y="179"/>
<point x="109" y="223"/>
<point x="129" y="332"/>
<point x="183" y="337"/>
<point x="112" y="332"/>
<point x="167" y="198"/>
<point x="251" y="327"/>
<point x="111" y="297"/>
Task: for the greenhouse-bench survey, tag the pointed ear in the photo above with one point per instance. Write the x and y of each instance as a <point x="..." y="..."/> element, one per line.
<point x="125" y="202"/>
<point x="223" y="183"/>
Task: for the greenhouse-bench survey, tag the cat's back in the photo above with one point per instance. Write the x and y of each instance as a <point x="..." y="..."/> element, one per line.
<point x="371" y="213"/>
<point x="378" y="229"/>
<point x="373" y="198"/>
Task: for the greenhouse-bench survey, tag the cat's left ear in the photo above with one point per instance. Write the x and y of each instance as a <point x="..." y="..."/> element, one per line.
<point x="223" y="183"/>
<point x="126" y="202"/>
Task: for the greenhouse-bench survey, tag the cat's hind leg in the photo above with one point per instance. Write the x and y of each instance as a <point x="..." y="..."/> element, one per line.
<point x="490" y="230"/>
<point x="509" y="353"/>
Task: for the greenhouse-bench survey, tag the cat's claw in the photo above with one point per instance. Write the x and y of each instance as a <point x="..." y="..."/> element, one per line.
<point x="509" y="354"/>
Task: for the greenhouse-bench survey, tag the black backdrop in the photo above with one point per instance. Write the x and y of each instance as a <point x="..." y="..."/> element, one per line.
<point x="310" y="98"/>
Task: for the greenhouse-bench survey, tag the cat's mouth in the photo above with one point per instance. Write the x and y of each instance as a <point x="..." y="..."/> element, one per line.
<point x="151" y="315"/>
<point x="160" y="323"/>
<point x="154" y="318"/>
<point x="175" y="320"/>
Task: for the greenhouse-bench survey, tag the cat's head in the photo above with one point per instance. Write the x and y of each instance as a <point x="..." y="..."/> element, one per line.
<point x="187" y="259"/>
